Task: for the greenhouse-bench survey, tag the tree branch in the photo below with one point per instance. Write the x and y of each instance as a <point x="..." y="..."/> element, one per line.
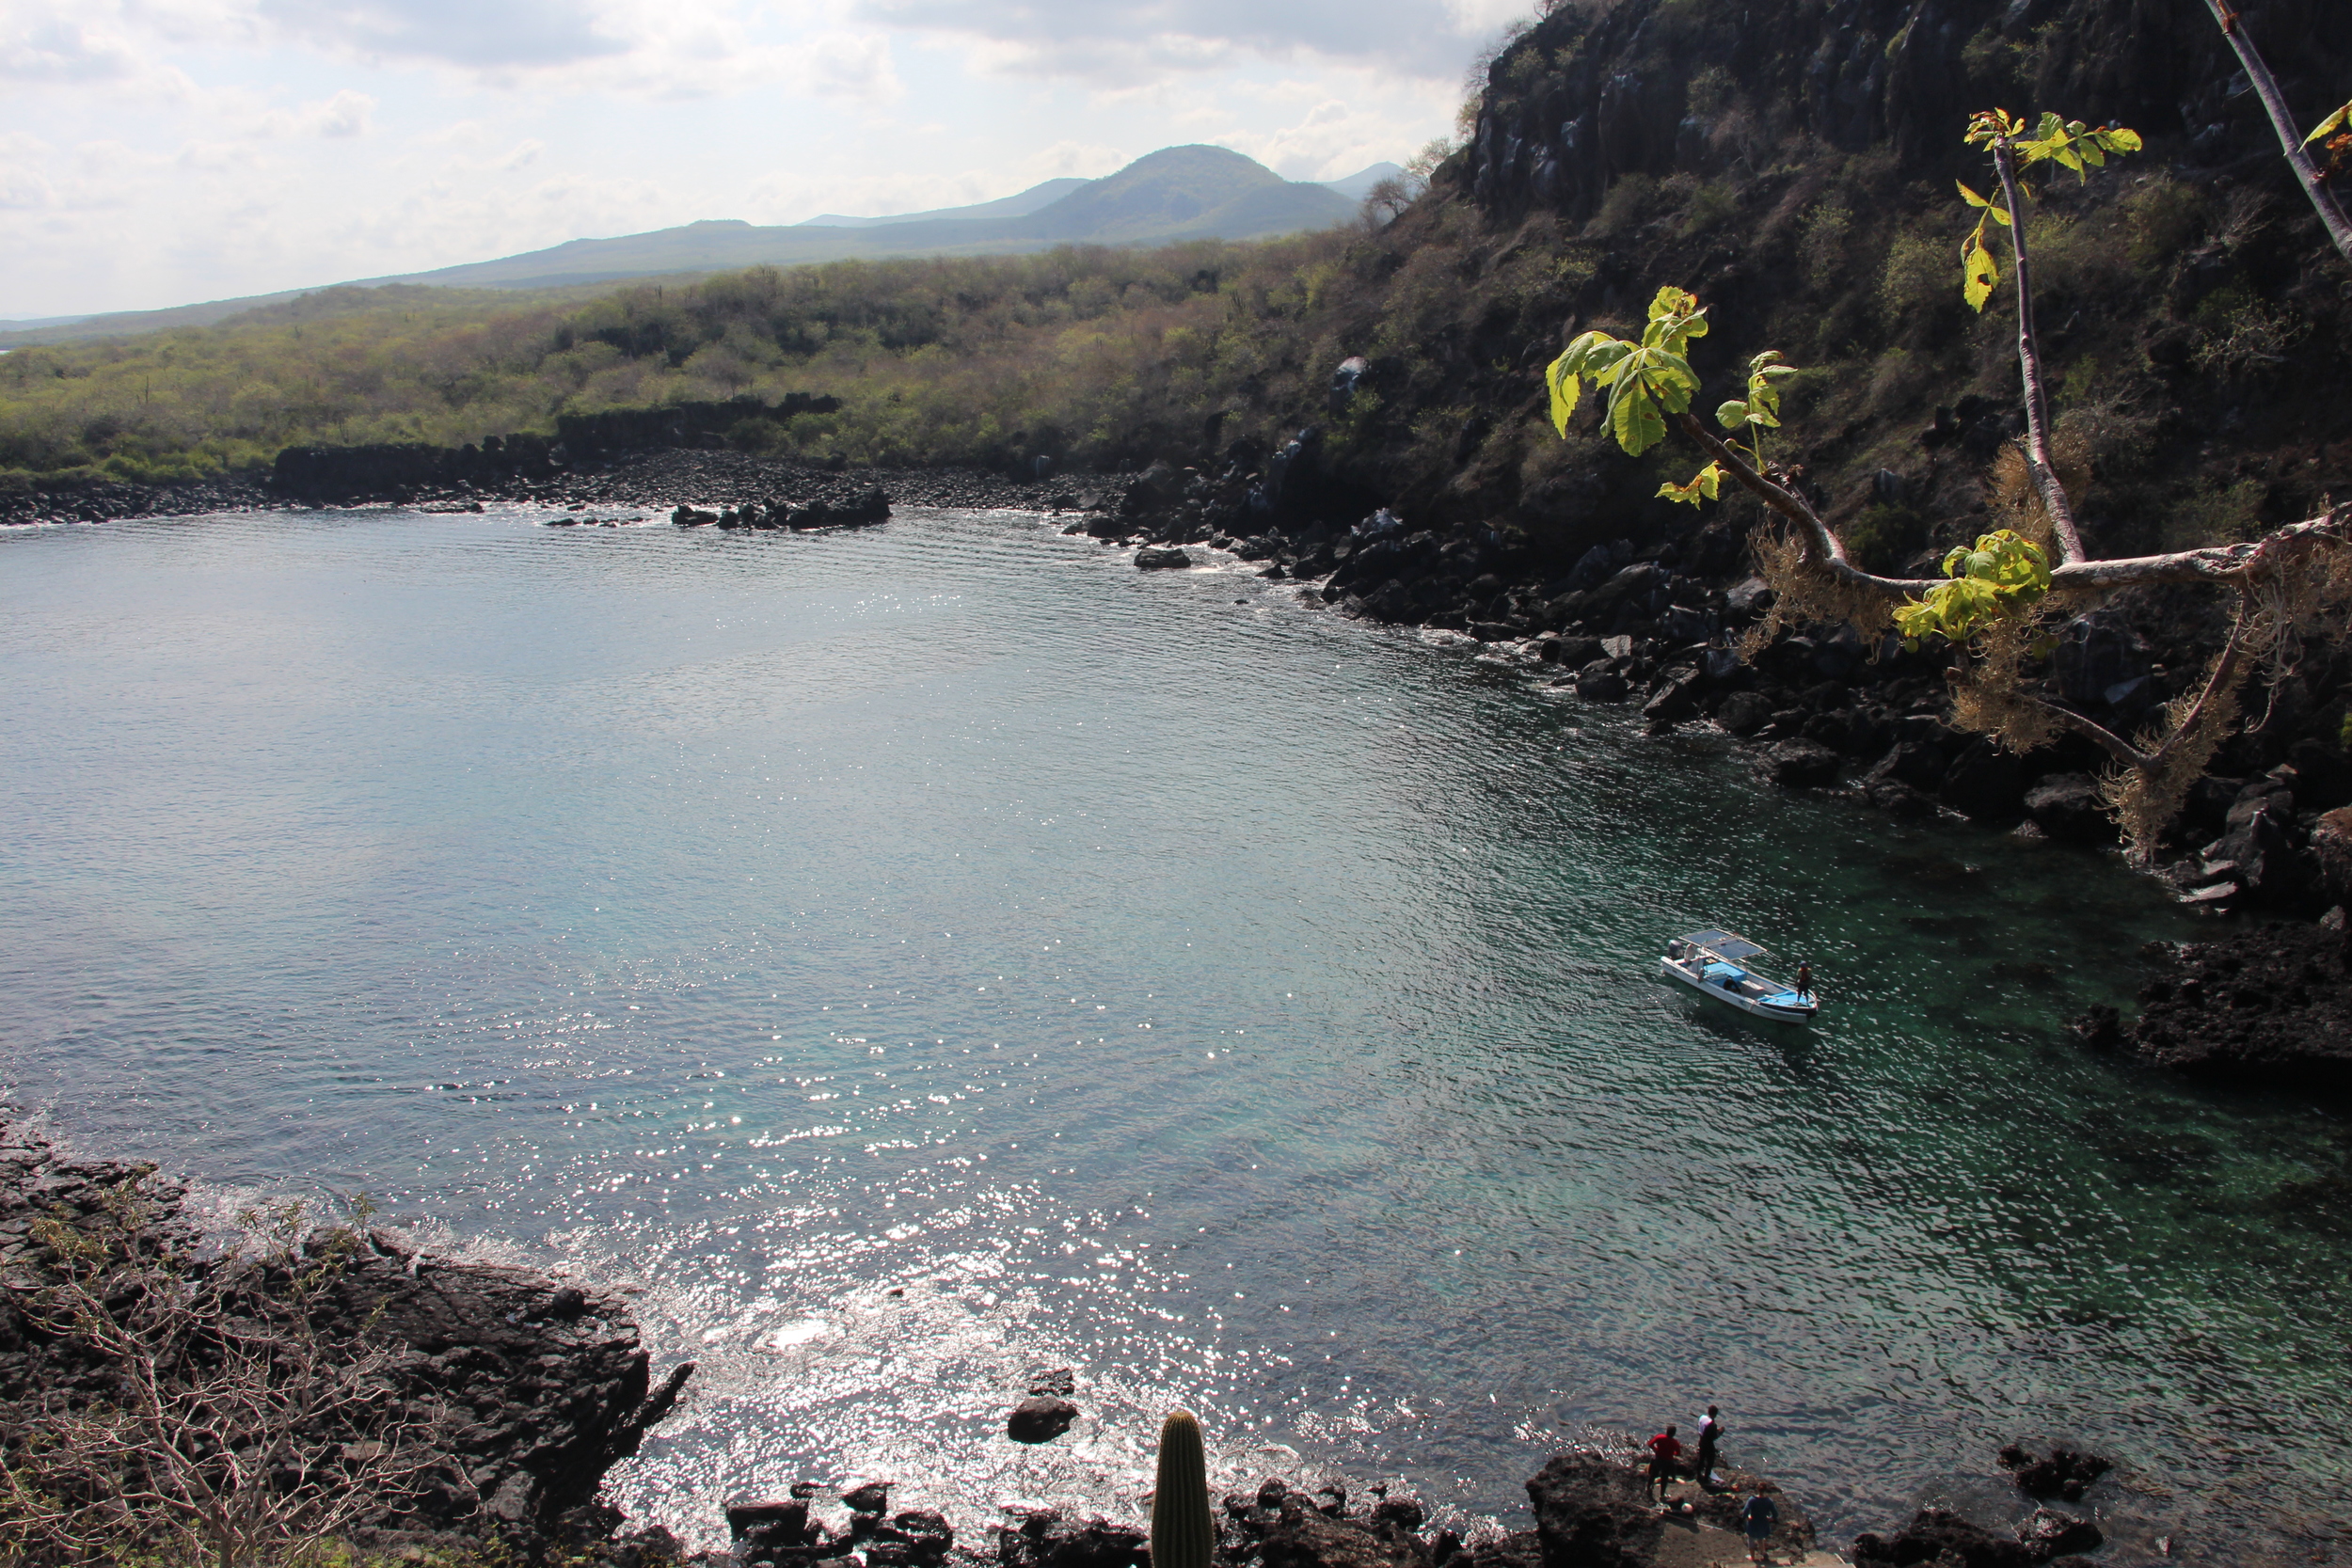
<point x="2282" y="121"/>
<point x="2113" y="744"/>
<point x="2037" y="460"/>
<point x="1793" y="506"/>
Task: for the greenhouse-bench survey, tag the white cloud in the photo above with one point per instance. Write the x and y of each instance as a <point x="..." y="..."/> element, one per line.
<point x="60" y="47"/>
<point x="346" y="114"/>
<point x="482" y="34"/>
<point x="1089" y="40"/>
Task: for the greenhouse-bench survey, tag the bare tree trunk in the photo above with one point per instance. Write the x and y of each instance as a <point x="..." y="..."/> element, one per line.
<point x="2038" y="459"/>
<point x="2282" y="120"/>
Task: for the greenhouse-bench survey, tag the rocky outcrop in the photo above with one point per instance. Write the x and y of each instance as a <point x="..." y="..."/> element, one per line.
<point x="1591" y="1511"/>
<point x="2270" y="1006"/>
<point x="1948" y="1540"/>
<point x="2062" y="1472"/>
<point x="832" y="506"/>
<point x="537" y="1386"/>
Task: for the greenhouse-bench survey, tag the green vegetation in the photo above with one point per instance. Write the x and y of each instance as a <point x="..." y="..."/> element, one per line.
<point x="1990" y="604"/>
<point x="1089" y="354"/>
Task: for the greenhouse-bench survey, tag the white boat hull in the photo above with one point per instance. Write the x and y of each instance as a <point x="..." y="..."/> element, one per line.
<point x="1782" y="1005"/>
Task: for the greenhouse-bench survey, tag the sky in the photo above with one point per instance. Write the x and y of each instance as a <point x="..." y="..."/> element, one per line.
<point x="161" y="152"/>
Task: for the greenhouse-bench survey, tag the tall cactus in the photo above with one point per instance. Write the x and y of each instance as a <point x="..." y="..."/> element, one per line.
<point x="1183" y="1534"/>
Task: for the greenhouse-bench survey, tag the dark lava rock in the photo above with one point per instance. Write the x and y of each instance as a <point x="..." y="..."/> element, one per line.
<point x="1918" y="763"/>
<point x="1675" y="698"/>
<point x="1986" y="783"/>
<point x="762" y="1528"/>
<point x="1944" y="1539"/>
<point x="2331" y="852"/>
<point x="1053" y="1380"/>
<point x="872" y="1497"/>
<point x="1897" y="799"/>
<point x="1591" y="1512"/>
<point x="1161" y="560"/>
<point x="536" y="1388"/>
<point x="1524" y="1549"/>
<point x="1800" y="763"/>
<point x="1404" y="1513"/>
<point x="1040" y="1418"/>
<point x="1307" y="1538"/>
<point x="2062" y="1472"/>
<point x="1046" y="1540"/>
<point x="1743" y="713"/>
<point x="2049" y="1533"/>
<point x="2272" y="1004"/>
<point x="2068" y="807"/>
<point x="1601" y="686"/>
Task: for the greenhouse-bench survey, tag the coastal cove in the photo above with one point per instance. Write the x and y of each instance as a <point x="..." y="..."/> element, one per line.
<point x="915" y="956"/>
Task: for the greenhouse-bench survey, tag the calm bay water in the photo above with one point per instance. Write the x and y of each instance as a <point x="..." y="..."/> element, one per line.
<point x="913" y="957"/>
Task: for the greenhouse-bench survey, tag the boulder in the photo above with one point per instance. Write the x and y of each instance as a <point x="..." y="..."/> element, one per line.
<point x="1675" y="698"/>
<point x="1591" y="1512"/>
<point x="1946" y="1540"/>
<point x="1153" y="560"/>
<point x="1916" y="763"/>
<point x="1800" y="763"/>
<point x="1307" y="1538"/>
<point x="1743" y="713"/>
<point x="872" y="1497"/>
<point x="1601" y="686"/>
<point x="2048" y="1533"/>
<point x="2069" y="807"/>
<point x="1524" y="1549"/>
<point x="1040" y="1418"/>
<point x="1046" y="1540"/>
<point x="1985" y="784"/>
<point x="1898" y="799"/>
<point x="765" y="1530"/>
<point x="2331" y="853"/>
<point x="2062" y="1472"/>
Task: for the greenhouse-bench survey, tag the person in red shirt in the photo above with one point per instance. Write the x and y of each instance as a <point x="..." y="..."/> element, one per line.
<point x="1663" y="1450"/>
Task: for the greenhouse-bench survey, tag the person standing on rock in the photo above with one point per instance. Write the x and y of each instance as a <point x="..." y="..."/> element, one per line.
<point x="1760" y="1515"/>
<point x="1664" y="1450"/>
<point x="1710" y="1434"/>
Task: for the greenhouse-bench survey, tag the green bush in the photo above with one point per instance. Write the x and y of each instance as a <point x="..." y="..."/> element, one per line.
<point x="1883" y="539"/>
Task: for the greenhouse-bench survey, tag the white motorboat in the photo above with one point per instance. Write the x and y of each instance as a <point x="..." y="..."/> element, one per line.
<point x="1716" y="964"/>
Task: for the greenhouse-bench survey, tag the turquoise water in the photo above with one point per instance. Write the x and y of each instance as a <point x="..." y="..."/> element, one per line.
<point x="1143" y="973"/>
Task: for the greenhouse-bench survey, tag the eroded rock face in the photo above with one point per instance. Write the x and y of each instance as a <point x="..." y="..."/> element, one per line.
<point x="547" y="1381"/>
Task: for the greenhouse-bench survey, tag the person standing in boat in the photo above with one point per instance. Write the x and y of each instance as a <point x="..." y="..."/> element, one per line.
<point x="1804" y="980"/>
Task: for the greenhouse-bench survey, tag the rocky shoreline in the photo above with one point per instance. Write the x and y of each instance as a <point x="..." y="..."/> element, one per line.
<point x="537" y="1384"/>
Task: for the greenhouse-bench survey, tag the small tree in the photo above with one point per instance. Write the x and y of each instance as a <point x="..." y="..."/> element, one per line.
<point x="1995" y="596"/>
<point x="220" y="1417"/>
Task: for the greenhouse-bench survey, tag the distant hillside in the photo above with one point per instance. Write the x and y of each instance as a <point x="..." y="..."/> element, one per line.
<point x="1178" y="193"/>
<point x="1003" y="207"/>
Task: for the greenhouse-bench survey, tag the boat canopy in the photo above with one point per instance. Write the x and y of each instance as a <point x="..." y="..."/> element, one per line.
<point x="1725" y="945"/>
